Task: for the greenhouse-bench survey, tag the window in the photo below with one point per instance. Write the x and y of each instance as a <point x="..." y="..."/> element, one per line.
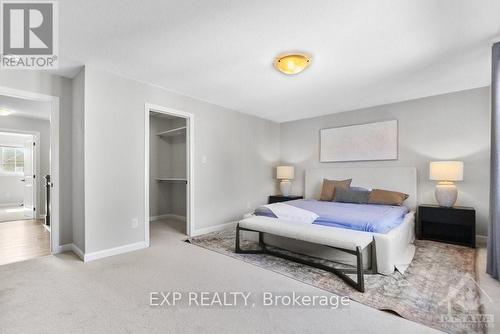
<point x="11" y="159"/>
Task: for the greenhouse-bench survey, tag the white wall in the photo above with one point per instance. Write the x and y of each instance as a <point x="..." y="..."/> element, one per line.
<point x="240" y="152"/>
<point x="102" y="151"/>
<point x="77" y="158"/>
<point x="44" y="83"/>
<point x="444" y="127"/>
<point x="159" y="166"/>
<point x="178" y="162"/>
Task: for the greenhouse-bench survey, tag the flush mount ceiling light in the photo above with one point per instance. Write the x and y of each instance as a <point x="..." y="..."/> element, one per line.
<point x="292" y="63"/>
<point x="5" y="112"/>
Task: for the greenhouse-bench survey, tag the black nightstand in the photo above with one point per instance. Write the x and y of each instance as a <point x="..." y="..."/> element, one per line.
<point x="281" y="198"/>
<point x="455" y="225"/>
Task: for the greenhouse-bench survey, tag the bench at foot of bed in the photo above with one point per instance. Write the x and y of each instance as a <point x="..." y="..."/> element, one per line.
<point x="340" y="239"/>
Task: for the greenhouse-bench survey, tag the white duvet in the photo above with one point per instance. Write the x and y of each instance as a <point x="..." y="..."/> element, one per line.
<point x="292" y="213"/>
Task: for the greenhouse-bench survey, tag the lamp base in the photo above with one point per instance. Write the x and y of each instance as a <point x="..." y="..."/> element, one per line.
<point x="446" y="194"/>
<point x="285" y="187"/>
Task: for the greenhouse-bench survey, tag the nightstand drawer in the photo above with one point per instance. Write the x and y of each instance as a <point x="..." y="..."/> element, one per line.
<point x="455" y="225"/>
<point x="452" y="216"/>
<point x="454" y="234"/>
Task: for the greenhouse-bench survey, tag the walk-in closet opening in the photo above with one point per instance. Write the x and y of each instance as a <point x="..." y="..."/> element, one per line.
<point x="169" y="172"/>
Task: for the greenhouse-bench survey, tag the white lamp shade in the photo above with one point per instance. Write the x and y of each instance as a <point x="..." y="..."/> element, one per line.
<point x="284" y="173"/>
<point x="446" y="170"/>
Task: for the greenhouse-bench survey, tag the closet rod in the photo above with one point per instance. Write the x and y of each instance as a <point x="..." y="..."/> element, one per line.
<point x="170" y="179"/>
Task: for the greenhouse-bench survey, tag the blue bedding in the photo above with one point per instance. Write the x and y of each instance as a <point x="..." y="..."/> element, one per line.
<point x="361" y="217"/>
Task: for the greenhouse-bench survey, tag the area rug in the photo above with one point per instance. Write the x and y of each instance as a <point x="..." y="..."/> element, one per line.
<point x="438" y="289"/>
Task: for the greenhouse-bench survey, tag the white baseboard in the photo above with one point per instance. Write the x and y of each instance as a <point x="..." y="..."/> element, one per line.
<point x="211" y="229"/>
<point x="167" y="216"/>
<point x="100" y="254"/>
<point x="114" y="251"/>
<point x="70" y="248"/>
<point x="157" y="218"/>
<point x="481" y="240"/>
<point x="63" y="248"/>
<point x="78" y="252"/>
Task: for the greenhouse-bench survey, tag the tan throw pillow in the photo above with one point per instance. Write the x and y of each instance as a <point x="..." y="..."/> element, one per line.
<point x="329" y="186"/>
<point x="386" y="197"/>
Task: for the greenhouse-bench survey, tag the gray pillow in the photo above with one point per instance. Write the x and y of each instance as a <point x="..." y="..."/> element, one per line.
<point x="360" y="188"/>
<point x="358" y="196"/>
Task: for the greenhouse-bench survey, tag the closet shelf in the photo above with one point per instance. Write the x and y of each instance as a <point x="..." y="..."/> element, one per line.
<point x="173" y="132"/>
<point x="171" y="179"/>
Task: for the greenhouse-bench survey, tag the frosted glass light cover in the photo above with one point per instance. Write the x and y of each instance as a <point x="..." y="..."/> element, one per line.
<point x="292" y="64"/>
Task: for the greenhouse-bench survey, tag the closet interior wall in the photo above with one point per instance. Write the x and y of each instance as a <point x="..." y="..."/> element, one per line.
<point x="167" y="161"/>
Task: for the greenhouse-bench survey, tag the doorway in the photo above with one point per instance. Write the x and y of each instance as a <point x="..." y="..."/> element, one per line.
<point x="24" y="158"/>
<point x="31" y="158"/>
<point x="168" y="169"/>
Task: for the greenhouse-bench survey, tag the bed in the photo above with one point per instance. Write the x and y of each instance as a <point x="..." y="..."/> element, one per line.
<point x="394" y="247"/>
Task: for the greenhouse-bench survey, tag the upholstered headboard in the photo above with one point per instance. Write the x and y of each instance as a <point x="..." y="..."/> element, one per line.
<point x="403" y="179"/>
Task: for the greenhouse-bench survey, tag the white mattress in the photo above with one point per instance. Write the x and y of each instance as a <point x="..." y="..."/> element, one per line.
<point x="394" y="250"/>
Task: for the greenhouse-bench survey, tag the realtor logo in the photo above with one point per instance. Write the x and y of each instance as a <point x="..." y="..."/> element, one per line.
<point x="29" y="35"/>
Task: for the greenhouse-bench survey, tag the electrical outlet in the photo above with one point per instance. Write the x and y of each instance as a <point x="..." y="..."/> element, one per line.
<point x="135" y="222"/>
<point x="204" y="159"/>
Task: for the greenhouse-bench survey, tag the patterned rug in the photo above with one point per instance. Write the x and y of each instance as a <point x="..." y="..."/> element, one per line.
<point x="437" y="290"/>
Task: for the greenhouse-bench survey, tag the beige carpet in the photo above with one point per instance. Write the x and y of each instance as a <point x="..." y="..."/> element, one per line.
<point x="60" y="294"/>
<point x="438" y="286"/>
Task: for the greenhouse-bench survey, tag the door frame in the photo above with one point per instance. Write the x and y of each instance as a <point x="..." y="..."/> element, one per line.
<point x="190" y="222"/>
<point x="36" y="164"/>
<point x="54" y="156"/>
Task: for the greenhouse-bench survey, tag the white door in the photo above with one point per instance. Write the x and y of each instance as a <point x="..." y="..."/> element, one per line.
<point x="29" y="180"/>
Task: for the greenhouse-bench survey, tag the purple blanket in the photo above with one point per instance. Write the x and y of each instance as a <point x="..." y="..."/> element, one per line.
<point x="361" y="217"/>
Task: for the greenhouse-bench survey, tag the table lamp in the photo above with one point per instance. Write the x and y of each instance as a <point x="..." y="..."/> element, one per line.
<point x="445" y="172"/>
<point x="285" y="174"/>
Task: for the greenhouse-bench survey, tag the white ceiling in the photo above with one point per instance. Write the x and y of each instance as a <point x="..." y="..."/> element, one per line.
<point x="365" y="53"/>
<point x="25" y="108"/>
